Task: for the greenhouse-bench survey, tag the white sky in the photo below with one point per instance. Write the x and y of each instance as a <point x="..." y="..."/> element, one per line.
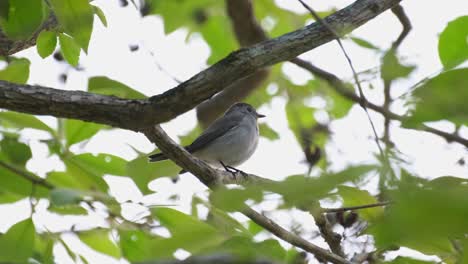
<point x="352" y="140"/>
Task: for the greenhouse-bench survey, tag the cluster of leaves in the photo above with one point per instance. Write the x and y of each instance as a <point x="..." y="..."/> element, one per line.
<point x="419" y="205"/>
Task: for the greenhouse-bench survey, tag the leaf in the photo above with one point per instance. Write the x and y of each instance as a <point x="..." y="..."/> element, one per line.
<point x="100" y="14"/>
<point x="15" y="152"/>
<point x="62" y="196"/>
<point x="70" y="49"/>
<point x="453" y="47"/>
<point x="423" y="218"/>
<point x="299" y="117"/>
<point x="17" y="71"/>
<point x="142" y="172"/>
<point x="233" y="200"/>
<point x="17" y="243"/>
<point x="353" y="197"/>
<point x="77" y="130"/>
<point x="101" y="164"/>
<point x="138" y="246"/>
<point x="46" y="42"/>
<point x="408" y="260"/>
<point x="442" y="97"/>
<point x="364" y="43"/>
<point x="267" y="132"/>
<point x="76" y="17"/>
<point x="106" y="86"/>
<point x="187" y="231"/>
<point x="19" y="120"/>
<point x="392" y="69"/>
<point x="214" y="33"/>
<point x="69" y="209"/>
<point x="99" y="240"/>
<point x="299" y="190"/>
<point x="23" y="19"/>
<point x="44" y="246"/>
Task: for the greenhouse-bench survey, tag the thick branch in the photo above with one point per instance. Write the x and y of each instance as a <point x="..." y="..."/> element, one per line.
<point x="139" y="114"/>
<point x="212" y="179"/>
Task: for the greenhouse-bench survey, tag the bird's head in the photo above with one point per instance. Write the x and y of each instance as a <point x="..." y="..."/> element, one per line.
<point x="244" y="108"/>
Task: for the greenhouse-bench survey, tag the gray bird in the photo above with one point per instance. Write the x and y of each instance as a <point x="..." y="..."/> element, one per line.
<point x="227" y="142"/>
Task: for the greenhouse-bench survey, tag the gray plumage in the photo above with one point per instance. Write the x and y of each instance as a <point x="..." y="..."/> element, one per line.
<point x="230" y="140"/>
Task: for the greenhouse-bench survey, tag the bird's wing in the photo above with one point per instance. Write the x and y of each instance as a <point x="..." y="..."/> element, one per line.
<point x="214" y="131"/>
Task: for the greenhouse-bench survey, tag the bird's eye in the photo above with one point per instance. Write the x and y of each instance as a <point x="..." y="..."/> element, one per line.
<point x="249" y="109"/>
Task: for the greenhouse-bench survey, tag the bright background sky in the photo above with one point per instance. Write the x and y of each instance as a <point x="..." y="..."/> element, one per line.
<point x="352" y="140"/>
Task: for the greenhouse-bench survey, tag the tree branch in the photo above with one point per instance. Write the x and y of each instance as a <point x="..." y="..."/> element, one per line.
<point x="140" y="114"/>
<point x="212" y="179"/>
<point x="247" y="32"/>
<point x="352" y="208"/>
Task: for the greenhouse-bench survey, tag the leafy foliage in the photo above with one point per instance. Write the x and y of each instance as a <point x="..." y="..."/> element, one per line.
<point x="81" y="186"/>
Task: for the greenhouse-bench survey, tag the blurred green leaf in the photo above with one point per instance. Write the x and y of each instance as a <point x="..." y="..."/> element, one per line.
<point x="423" y="218"/>
<point x="17" y="71"/>
<point x="442" y="97"/>
<point x="22" y="18"/>
<point x="106" y="86"/>
<point x="364" y="43"/>
<point x="100" y="14"/>
<point x="299" y="190"/>
<point x="70" y="49"/>
<point x="453" y="47"/>
<point x="20" y="120"/>
<point x="46" y="43"/>
<point x="353" y="197"/>
<point x="142" y="172"/>
<point x="225" y="223"/>
<point x="77" y="130"/>
<point x="17" y="243"/>
<point x="299" y="117"/>
<point x="254" y="228"/>
<point x="83" y="176"/>
<point x="76" y="18"/>
<point x="100" y="240"/>
<point x="62" y="196"/>
<point x="43" y="248"/>
<point x="268" y="132"/>
<point x="214" y="33"/>
<point x="187" y="231"/>
<point x="233" y="200"/>
<point x="392" y="69"/>
<point x="139" y="246"/>
<point x="15" y="152"/>
<point x="69" y="209"/>
<point x="101" y="164"/>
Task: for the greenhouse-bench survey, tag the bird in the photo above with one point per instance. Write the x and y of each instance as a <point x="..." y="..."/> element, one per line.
<point x="228" y="142"/>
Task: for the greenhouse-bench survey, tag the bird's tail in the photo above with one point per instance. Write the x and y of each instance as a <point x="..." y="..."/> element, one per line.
<point x="157" y="157"/>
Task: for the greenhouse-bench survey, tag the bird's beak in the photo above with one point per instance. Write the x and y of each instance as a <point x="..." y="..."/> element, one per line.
<point x="260" y="115"/>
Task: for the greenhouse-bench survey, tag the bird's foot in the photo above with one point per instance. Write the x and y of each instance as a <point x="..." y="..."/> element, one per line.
<point x="233" y="171"/>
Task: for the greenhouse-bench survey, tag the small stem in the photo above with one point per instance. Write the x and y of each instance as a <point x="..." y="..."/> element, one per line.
<point x="351" y="208"/>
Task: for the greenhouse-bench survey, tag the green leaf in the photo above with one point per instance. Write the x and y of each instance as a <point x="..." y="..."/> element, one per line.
<point x="453" y="47"/>
<point x="299" y="117"/>
<point x="233" y="200"/>
<point x="214" y="33"/>
<point x="392" y="69"/>
<point x="187" y="231"/>
<point x="44" y="246"/>
<point x="70" y="49"/>
<point x="364" y="43"/>
<point x="442" y="97"/>
<point x="76" y="18"/>
<point x="77" y="130"/>
<point x="100" y="14"/>
<point x="353" y="197"/>
<point x="268" y="132"/>
<point x="61" y="197"/>
<point x="17" y="71"/>
<point x="106" y="86"/>
<point x="138" y="246"/>
<point x="46" y="42"/>
<point x="23" y="19"/>
<point x="15" y="152"/>
<point x="142" y="172"/>
<point x="424" y="218"/>
<point x="299" y="190"/>
<point x="408" y="260"/>
<point x="101" y="164"/>
<point x="69" y="209"/>
<point x="100" y="241"/>
<point x="17" y="243"/>
<point x="19" y="120"/>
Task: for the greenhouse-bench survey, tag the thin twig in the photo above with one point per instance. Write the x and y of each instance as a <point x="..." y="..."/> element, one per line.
<point x="352" y="208"/>
<point x="358" y="84"/>
<point x="27" y="175"/>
